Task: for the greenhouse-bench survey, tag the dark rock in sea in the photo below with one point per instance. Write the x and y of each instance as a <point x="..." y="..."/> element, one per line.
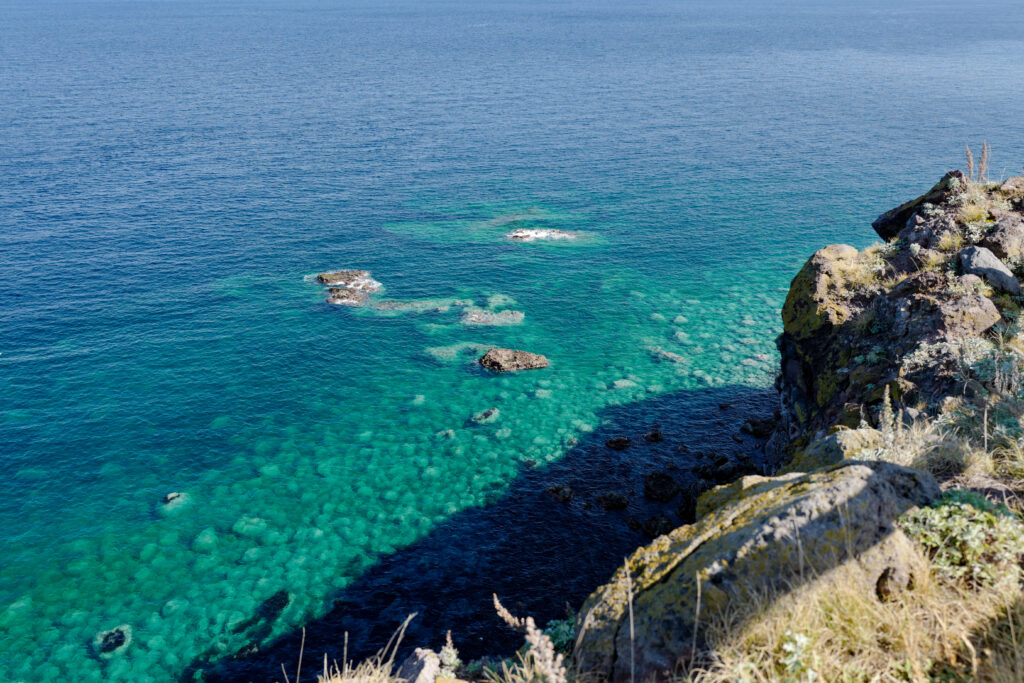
<point x="511" y="360"/>
<point x="983" y="263"/>
<point x="561" y="493"/>
<point x="759" y="428"/>
<point x="116" y="640"/>
<point x="343" y="296"/>
<point x="893" y="221"/>
<point x="487" y="416"/>
<point x="612" y="500"/>
<point x="618" y="443"/>
<point x="725" y="471"/>
<point x="349" y="279"/>
<point x="724" y="406"/>
<point x="658" y="526"/>
<point x="660" y="487"/>
<point x="173" y="496"/>
<point x="654" y="436"/>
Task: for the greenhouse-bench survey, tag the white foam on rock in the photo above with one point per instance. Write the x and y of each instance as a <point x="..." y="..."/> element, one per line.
<point x="541" y="235"/>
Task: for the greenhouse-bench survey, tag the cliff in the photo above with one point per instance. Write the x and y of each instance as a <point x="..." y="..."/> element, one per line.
<point x="901" y="395"/>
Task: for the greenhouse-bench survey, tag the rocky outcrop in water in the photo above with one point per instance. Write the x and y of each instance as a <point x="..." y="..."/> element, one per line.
<point x="348" y="287"/>
<point x="512" y="360"/>
<point x="350" y="279"/>
<point x="541" y="235"/>
<point x="342" y="296"/>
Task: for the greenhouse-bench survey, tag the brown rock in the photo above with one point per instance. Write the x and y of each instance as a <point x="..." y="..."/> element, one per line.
<point x="343" y="296"/>
<point x="617" y="443"/>
<point x="352" y="279"/>
<point x="1006" y="239"/>
<point x="511" y="360"/>
<point x="892" y="222"/>
<point x="1013" y="185"/>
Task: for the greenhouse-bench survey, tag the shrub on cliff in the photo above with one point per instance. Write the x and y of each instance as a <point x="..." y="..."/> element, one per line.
<point x="968" y="539"/>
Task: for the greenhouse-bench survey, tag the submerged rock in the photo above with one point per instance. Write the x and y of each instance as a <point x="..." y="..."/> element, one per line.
<point x="654" y="436"/>
<point x="759" y="428"/>
<point x="541" y="235"/>
<point x="768" y="538"/>
<point x="350" y="279"/>
<point x="617" y="443"/>
<point x="561" y="493"/>
<point x="511" y="360"/>
<point x="983" y="263"/>
<point x="492" y="318"/>
<point x="660" y="487"/>
<point x="109" y="643"/>
<point x="656" y="526"/>
<point x="661" y="354"/>
<point x="487" y="416"/>
<point x="612" y="500"/>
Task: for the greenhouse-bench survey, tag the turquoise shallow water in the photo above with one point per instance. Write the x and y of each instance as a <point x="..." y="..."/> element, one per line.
<point x="174" y="172"/>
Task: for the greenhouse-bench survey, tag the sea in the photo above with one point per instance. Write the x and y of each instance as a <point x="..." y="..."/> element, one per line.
<point x="174" y="174"/>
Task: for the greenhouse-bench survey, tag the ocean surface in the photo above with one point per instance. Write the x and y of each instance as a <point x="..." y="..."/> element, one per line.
<point x="173" y="173"/>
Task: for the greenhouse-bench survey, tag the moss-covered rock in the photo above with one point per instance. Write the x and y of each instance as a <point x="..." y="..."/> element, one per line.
<point x="766" y="536"/>
<point x="815" y="300"/>
<point x="846" y="444"/>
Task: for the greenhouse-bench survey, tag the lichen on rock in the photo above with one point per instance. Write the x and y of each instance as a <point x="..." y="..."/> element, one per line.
<point x="771" y="535"/>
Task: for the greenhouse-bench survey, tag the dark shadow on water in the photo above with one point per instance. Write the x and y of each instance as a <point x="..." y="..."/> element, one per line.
<point x="535" y="552"/>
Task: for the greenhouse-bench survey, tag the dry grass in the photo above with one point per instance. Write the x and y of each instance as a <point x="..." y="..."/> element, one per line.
<point x="377" y="669"/>
<point x="539" y="663"/>
<point x="950" y="241"/>
<point x="973" y="213"/>
<point x="837" y="630"/>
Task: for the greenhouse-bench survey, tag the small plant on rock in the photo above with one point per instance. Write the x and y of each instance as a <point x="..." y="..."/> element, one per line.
<point x="539" y="662"/>
<point x="969" y="542"/>
<point x="449" y="657"/>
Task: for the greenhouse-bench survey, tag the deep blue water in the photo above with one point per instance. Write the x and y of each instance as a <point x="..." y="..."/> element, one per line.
<point x="172" y="172"/>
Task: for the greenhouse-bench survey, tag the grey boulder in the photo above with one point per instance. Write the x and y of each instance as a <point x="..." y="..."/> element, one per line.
<point x="983" y="263"/>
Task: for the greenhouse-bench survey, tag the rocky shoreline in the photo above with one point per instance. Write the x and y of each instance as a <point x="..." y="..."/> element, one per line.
<point x="876" y="343"/>
<point x="886" y="353"/>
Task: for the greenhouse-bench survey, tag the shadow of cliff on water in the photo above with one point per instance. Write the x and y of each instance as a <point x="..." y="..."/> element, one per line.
<point x="538" y="553"/>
